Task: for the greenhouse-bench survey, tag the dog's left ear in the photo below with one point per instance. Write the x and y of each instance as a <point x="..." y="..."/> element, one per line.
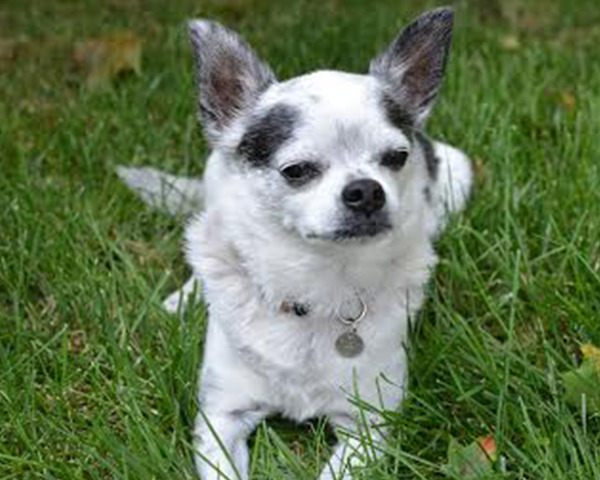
<point x="229" y="74"/>
<point x="413" y="65"/>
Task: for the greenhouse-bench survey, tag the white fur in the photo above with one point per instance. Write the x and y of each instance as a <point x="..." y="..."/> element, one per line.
<point x="260" y="243"/>
<point x="259" y="360"/>
<point x="176" y="195"/>
<point x="252" y="249"/>
<point x="262" y="361"/>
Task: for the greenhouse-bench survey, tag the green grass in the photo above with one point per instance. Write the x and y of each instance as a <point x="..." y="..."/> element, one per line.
<point x="97" y="381"/>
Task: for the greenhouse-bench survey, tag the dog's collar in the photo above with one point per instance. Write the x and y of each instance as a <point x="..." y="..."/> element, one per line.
<point x="297" y="308"/>
<point x="349" y="344"/>
<point x="303" y="309"/>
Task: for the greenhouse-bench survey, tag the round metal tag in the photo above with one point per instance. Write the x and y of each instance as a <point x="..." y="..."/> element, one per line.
<point x="349" y="344"/>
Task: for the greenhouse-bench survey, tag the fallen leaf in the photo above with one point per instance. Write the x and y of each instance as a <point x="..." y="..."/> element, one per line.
<point x="529" y="17"/>
<point x="567" y="100"/>
<point x="480" y="171"/>
<point x="8" y="49"/>
<point x="103" y="59"/>
<point x="577" y="37"/>
<point x="510" y="43"/>
<point x="582" y="385"/>
<point x="488" y="10"/>
<point x="297" y="448"/>
<point x="591" y="353"/>
<point x="11" y="47"/>
<point x="472" y="462"/>
<point x="77" y="341"/>
<point x="488" y="445"/>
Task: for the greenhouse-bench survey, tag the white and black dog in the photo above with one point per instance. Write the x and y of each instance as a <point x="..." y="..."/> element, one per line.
<point x="322" y="198"/>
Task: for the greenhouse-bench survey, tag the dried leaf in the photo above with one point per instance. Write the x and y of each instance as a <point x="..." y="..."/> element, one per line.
<point x="530" y="17"/>
<point x="510" y="43"/>
<point x="488" y="445"/>
<point x="297" y="448"/>
<point x="567" y="100"/>
<point x="582" y="385"/>
<point x="10" y="48"/>
<point x="480" y="170"/>
<point x="563" y="98"/>
<point x="77" y="341"/>
<point x="592" y="354"/>
<point x="577" y="37"/>
<point x="103" y="59"/>
<point x="473" y="462"/>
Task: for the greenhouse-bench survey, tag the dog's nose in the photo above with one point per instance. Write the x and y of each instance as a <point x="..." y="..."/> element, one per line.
<point x="364" y="195"/>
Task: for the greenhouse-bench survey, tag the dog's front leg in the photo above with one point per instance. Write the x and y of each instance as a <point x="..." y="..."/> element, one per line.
<point x="352" y="450"/>
<point x="178" y="301"/>
<point x="221" y="442"/>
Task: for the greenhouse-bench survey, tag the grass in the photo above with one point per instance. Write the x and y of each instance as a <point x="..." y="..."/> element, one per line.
<point x="97" y="381"/>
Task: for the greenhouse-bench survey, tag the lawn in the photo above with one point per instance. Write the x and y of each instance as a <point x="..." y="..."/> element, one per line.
<point x="97" y="381"/>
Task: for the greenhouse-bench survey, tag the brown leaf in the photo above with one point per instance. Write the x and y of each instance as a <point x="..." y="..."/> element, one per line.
<point x="529" y="17"/>
<point x="11" y="47"/>
<point x="567" y="100"/>
<point x="577" y="37"/>
<point x="103" y="59"/>
<point x="564" y="98"/>
<point x="488" y="445"/>
<point x="479" y="169"/>
<point x="77" y="341"/>
<point x="510" y="43"/>
<point x="472" y="462"/>
<point x="297" y="448"/>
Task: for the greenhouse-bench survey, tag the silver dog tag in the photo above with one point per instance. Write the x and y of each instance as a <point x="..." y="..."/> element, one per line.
<point x="349" y="344"/>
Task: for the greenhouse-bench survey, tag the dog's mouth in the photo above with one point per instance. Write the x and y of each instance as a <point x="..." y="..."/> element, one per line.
<point x="361" y="231"/>
<point x="356" y="231"/>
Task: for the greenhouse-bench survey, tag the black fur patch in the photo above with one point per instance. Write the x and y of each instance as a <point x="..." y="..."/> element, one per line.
<point x="398" y="116"/>
<point x="431" y="161"/>
<point x="361" y="226"/>
<point x="427" y="195"/>
<point x="301" y="309"/>
<point x="267" y="133"/>
<point x="414" y="63"/>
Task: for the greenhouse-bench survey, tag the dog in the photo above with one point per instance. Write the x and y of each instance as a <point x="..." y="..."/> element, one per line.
<point x="312" y="235"/>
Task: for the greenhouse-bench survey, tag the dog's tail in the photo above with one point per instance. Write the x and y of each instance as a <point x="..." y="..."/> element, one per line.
<point x="175" y="195"/>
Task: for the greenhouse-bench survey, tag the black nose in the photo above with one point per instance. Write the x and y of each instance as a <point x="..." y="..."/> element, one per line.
<point x="364" y="195"/>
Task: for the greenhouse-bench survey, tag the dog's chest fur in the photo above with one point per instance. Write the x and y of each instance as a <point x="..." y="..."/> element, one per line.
<point x="295" y="367"/>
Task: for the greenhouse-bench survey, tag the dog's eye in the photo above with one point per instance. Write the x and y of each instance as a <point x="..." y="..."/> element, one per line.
<point x="300" y="173"/>
<point x="394" y="159"/>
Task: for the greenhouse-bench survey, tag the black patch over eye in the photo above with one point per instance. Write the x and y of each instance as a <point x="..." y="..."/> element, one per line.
<point x="300" y="173"/>
<point x="394" y="159"/>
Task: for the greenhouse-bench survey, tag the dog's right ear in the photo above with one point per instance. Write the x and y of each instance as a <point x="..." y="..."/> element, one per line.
<point x="413" y="66"/>
<point x="230" y="76"/>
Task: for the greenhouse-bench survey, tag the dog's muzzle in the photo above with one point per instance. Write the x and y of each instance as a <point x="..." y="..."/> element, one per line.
<point x="364" y="200"/>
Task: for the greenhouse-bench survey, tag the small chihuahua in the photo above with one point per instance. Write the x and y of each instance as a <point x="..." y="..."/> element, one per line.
<point x="322" y="199"/>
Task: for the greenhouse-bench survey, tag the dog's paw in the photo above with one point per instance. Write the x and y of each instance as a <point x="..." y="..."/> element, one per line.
<point x="172" y="303"/>
<point x="178" y="301"/>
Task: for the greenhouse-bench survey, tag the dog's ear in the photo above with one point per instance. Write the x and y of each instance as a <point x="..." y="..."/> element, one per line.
<point x="229" y="74"/>
<point x="413" y="65"/>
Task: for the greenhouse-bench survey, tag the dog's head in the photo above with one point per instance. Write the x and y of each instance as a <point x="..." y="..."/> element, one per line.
<point x="327" y="156"/>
